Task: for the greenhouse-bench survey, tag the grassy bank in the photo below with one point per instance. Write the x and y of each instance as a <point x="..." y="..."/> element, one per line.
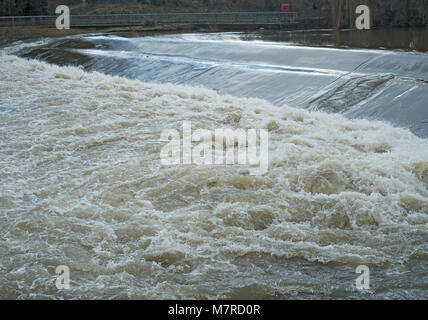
<point x="9" y="35"/>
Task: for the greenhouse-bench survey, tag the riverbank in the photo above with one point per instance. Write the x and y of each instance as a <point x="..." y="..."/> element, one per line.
<point x="10" y="35"/>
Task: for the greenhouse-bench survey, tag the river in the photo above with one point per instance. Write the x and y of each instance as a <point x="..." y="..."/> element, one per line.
<point x="82" y="184"/>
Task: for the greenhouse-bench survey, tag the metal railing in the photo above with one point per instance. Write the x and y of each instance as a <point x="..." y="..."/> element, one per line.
<point x="140" y="19"/>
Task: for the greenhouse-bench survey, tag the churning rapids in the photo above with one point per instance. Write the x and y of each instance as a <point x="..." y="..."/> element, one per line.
<point x="82" y="184"/>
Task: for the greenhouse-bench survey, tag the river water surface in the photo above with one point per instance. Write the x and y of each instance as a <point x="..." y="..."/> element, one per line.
<point x="82" y="184"/>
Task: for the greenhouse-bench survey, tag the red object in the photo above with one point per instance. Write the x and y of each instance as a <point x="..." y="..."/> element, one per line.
<point x="285" y="7"/>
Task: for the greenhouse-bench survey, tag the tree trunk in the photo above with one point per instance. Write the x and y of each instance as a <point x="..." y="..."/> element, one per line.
<point x="336" y="13"/>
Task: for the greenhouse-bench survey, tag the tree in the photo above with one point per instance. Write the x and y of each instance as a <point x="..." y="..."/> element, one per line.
<point x="23" y="7"/>
<point x="336" y="13"/>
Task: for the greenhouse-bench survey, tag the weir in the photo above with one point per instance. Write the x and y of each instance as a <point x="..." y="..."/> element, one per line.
<point x="372" y="84"/>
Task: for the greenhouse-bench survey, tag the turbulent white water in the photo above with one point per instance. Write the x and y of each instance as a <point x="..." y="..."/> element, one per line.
<point x="82" y="185"/>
